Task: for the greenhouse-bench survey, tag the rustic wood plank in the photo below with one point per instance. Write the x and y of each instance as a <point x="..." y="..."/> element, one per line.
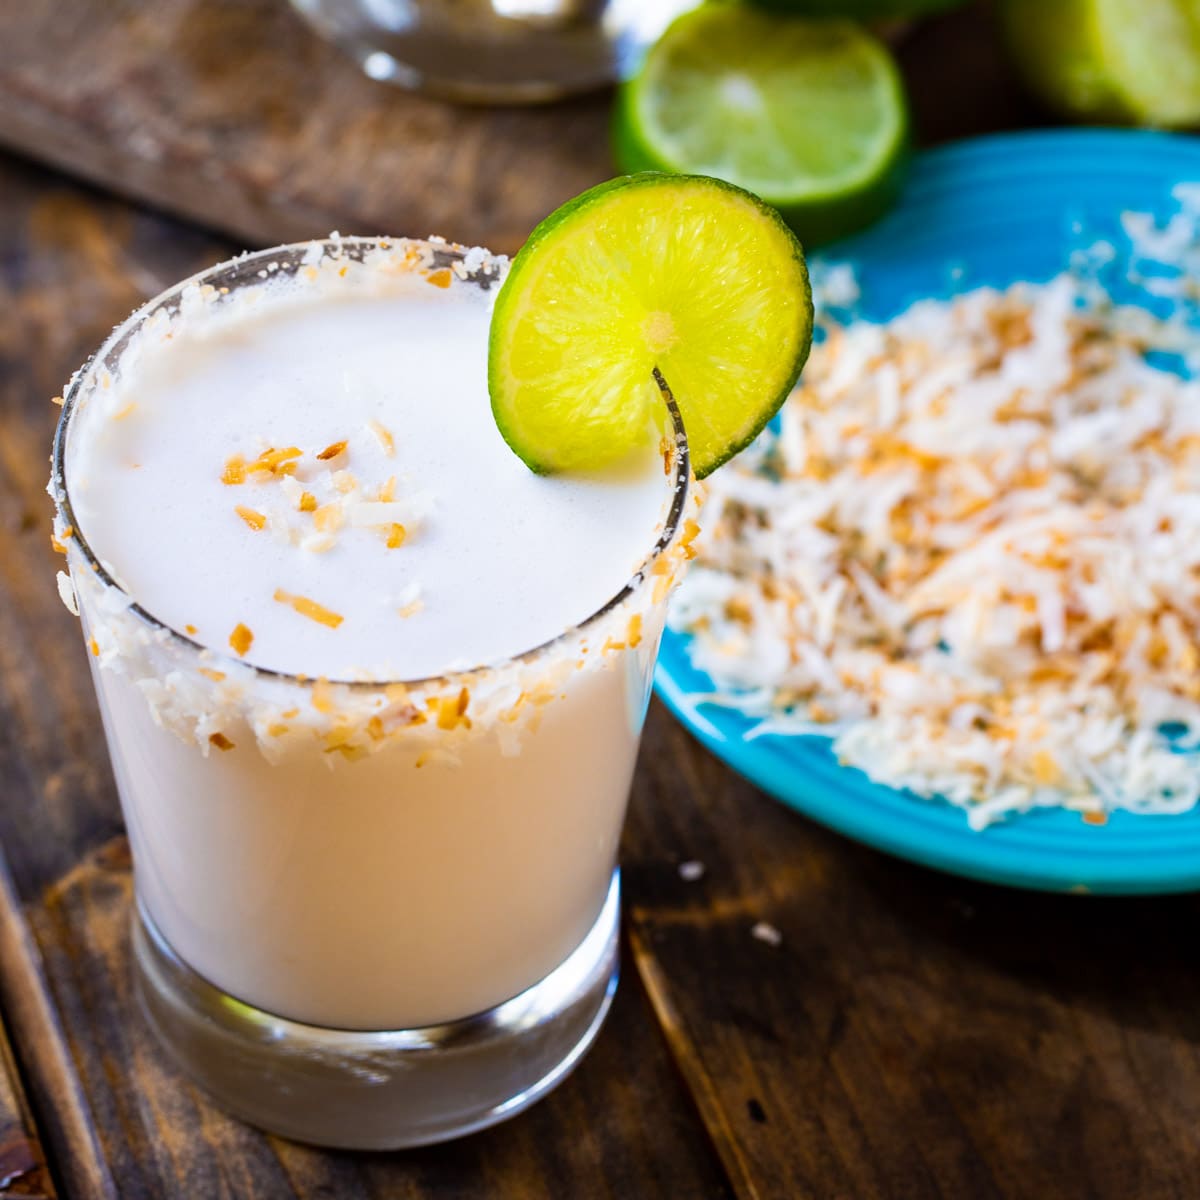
<point x="233" y="113"/>
<point x="590" y="1138"/>
<point x="621" y="1126"/>
<point x="23" y="1168"/>
<point x="701" y="1085"/>
<point x="912" y="1034"/>
<point x="38" y="1033"/>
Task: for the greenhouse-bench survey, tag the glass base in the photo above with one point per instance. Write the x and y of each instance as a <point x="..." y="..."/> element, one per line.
<point x="493" y="51"/>
<point x="379" y="1091"/>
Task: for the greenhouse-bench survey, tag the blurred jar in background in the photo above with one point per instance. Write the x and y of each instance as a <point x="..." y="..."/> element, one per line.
<point x="494" y="51"/>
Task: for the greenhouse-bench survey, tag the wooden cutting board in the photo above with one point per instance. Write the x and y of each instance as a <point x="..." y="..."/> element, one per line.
<point x="235" y="114"/>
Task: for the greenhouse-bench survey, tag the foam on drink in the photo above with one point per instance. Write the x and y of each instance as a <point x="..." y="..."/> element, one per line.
<point x="319" y="466"/>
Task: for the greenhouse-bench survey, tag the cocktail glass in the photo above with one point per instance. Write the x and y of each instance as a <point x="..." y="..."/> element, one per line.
<point x="368" y="915"/>
<point x="493" y="51"/>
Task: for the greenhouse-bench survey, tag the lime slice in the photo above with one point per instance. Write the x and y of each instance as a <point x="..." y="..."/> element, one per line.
<point x="1111" y="60"/>
<point x="687" y="274"/>
<point x="810" y="115"/>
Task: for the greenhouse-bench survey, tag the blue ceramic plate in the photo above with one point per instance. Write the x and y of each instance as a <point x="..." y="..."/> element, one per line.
<point x="987" y="211"/>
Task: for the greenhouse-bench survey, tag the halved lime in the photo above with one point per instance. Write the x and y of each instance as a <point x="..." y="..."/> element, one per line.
<point x="687" y="274"/>
<point x="810" y="115"/>
<point x="1111" y="60"/>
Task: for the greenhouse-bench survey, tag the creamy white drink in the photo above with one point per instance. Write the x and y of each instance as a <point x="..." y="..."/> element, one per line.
<point x="435" y="545"/>
<point x="284" y="508"/>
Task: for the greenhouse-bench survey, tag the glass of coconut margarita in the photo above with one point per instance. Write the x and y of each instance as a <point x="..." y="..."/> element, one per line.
<point x="372" y="689"/>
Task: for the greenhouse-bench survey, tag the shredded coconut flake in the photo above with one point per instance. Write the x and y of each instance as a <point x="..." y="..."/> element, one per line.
<point x="310" y="608"/>
<point x="254" y="519"/>
<point x="332" y="452"/>
<point x="383" y="435"/>
<point x="765" y="932"/>
<point x="971" y="557"/>
<point x="66" y="592"/>
<point x="409" y="601"/>
<point x="240" y="640"/>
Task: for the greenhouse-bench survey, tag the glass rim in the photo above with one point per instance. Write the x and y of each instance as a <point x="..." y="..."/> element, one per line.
<point x="244" y="269"/>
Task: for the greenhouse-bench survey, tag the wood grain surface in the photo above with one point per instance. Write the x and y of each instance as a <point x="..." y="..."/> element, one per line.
<point x="910" y="1035"/>
<point x="23" y="1167"/>
<point x="71" y="265"/>
<point x="806" y="1019"/>
<point x="161" y="1137"/>
<point x="234" y="114"/>
<point x="39" y="1052"/>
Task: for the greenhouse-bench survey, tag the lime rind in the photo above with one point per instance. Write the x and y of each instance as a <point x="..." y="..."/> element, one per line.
<point x="817" y="219"/>
<point x="687" y="274"/>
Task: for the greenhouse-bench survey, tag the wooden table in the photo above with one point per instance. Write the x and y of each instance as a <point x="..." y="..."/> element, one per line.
<point x="910" y="1035"/>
